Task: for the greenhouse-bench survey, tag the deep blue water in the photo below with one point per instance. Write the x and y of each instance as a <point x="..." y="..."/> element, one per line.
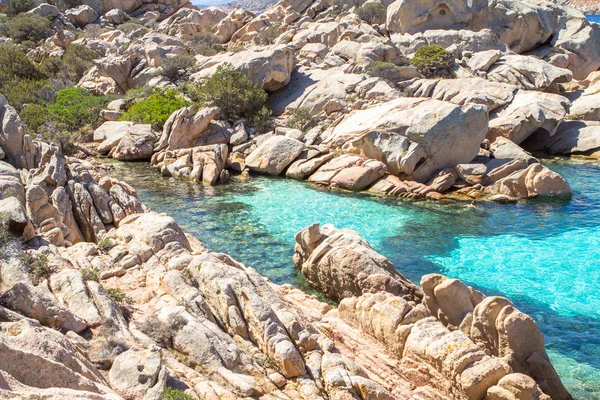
<point x="542" y="255"/>
<point x="593" y="18"/>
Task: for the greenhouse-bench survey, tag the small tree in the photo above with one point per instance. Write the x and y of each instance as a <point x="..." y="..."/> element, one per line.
<point x="433" y="60"/>
<point x="372" y="13"/>
<point x="302" y="119"/>
<point x="179" y="67"/>
<point x="232" y="92"/>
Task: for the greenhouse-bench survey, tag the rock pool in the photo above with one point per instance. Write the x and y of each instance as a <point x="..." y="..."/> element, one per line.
<point x="543" y="255"/>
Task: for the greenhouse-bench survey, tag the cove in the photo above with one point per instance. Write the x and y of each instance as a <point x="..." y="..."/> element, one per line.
<point x="543" y="255"/>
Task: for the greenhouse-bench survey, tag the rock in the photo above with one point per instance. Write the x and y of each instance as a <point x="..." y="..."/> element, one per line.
<point x="404" y="16"/>
<point x="120" y="69"/>
<point x="342" y="264"/>
<point x="527" y="72"/>
<point x="528" y="112"/>
<point x="188" y="22"/>
<point x="471" y="173"/>
<point x="184" y="127"/>
<point x="232" y="23"/>
<point x="116" y="16"/>
<point x="273" y="155"/>
<point x="585" y="106"/>
<point x="464" y="91"/>
<point x="45" y="10"/>
<point x="201" y="163"/>
<point x="505" y="149"/>
<point x="63" y="38"/>
<point x="16" y="219"/>
<point x="515" y="386"/>
<point x="134" y="372"/>
<point x="270" y="68"/>
<point x="17" y="145"/>
<point x="41" y="362"/>
<point x="136" y="144"/>
<point x="82" y="15"/>
<point x="571" y="138"/>
<point x="534" y="181"/>
<point x="414" y="137"/>
<point x="359" y="177"/>
<point x="70" y="289"/>
<point x="89" y="222"/>
<point x="112" y="130"/>
<point x="34" y="303"/>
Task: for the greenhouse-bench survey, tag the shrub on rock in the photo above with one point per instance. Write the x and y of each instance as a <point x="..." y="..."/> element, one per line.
<point x="372" y="13"/>
<point x="433" y="61"/>
<point x="179" y="67"/>
<point x="26" y="27"/>
<point x="232" y="92"/>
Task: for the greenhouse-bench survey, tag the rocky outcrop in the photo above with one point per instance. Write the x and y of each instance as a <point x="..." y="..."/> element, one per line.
<point x="534" y="181"/>
<point x="405" y="135"/>
<point x="270" y="68"/>
<point x="571" y="138"/>
<point x="184" y="128"/>
<point x="125" y="141"/>
<point x="342" y="264"/>
<point x="274" y="154"/>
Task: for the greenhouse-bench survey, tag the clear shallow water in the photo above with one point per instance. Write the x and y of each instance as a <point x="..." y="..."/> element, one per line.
<point x="543" y="255"/>
<point x="593" y="18"/>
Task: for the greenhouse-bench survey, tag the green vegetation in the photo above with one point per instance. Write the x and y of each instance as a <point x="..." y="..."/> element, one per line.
<point x="232" y="92"/>
<point x="265" y="363"/>
<point x="105" y="244"/>
<point x="205" y="44"/>
<point x="76" y="107"/>
<point x="174" y="394"/>
<point x="119" y="296"/>
<point x="262" y="120"/>
<point x="267" y="36"/>
<point x="26" y="28"/>
<point x="155" y="109"/>
<point x="433" y="61"/>
<point x="302" y="119"/>
<point x="90" y="274"/>
<point x="372" y="13"/>
<point x="5" y="236"/>
<point x="38" y="266"/>
<point x="16" y="7"/>
<point x="20" y="80"/>
<point x="385" y="70"/>
<point x="75" y="62"/>
<point x="178" y="68"/>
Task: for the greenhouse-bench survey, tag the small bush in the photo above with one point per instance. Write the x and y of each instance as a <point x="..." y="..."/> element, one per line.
<point x="105" y="244"/>
<point x="156" y="109"/>
<point x="433" y="60"/>
<point x="302" y="119"/>
<point x="38" y="266"/>
<point x="174" y="394"/>
<point x="205" y="44"/>
<point x="90" y="274"/>
<point x="178" y="68"/>
<point x="78" y="59"/>
<point x="267" y="36"/>
<point x="372" y="13"/>
<point x="27" y="91"/>
<point x="387" y="71"/>
<point x="232" y="92"/>
<point x="119" y="296"/>
<point x="262" y="120"/>
<point x="15" y="66"/>
<point x="16" y="7"/>
<point x="28" y="27"/>
<point x="77" y="107"/>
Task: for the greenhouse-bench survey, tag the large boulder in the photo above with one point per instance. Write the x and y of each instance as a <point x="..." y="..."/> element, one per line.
<point x="189" y="22"/>
<point x="341" y="264"/>
<point x="17" y="146"/>
<point x="269" y="68"/>
<point x="534" y="181"/>
<point x="527" y="72"/>
<point x="136" y="144"/>
<point x="528" y="112"/>
<point x="134" y="372"/>
<point x="405" y="16"/>
<point x="274" y="154"/>
<point x="586" y="105"/>
<point x="82" y="15"/>
<point x="414" y="137"/>
<point x="571" y="138"/>
<point x="184" y="127"/>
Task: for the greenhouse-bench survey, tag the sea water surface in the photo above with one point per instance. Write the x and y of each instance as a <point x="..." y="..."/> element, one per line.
<point x="543" y="255"/>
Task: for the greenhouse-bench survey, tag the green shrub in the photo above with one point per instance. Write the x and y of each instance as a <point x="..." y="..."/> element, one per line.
<point x="105" y="244"/>
<point x="205" y="44"/>
<point x="262" y="120"/>
<point x="178" y="68"/>
<point x="267" y="36"/>
<point x="119" y="296"/>
<point x="156" y="109"/>
<point x="26" y="91"/>
<point x="15" y="66"/>
<point x="28" y="27"/>
<point x="232" y="92"/>
<point x="72" y="3"/>
<point x="37" y="118"/>
<point x="372" y="13"/>
<point x="302" y="119"/>
<point x="433" y="60"/>
<point x="77" y="107"/>
<point x="16" y="7"/>
<point x="90" y="274"/>
<point x="38" y="266"/>
<point x="174" y="394"/>
<point x="78" y="59"/>
<point x="385" y="70"/>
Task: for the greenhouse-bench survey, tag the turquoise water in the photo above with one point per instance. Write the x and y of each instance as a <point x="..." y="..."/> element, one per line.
<point x="543" y="255"/>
